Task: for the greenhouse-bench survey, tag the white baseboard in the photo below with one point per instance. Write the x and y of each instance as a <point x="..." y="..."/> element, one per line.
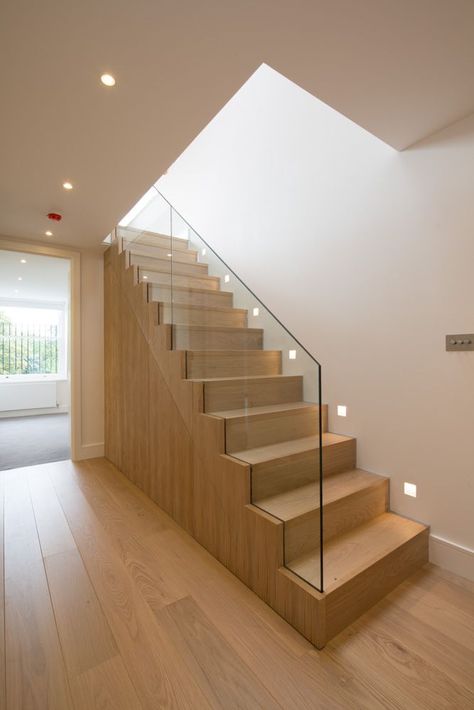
<point x="455" y="558"/>
<point x="90" y="451"/>
<point x="33" y="412"/>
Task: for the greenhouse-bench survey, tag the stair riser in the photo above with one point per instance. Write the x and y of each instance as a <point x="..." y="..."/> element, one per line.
<point x="211" y="283"/>
<point x="222" y="396"/>
<point x="179" y="256"/>
<point x="273" y="477"/>
<point x="167" y="266"/>
<point x="221" y="299"/>
<point x="264" y="429"/>
<point x="196" y="316"/>
<point x="184" y="339"/>
<point x="302" y="534"/>
<point x="163" y="242"/>
<point x="213" y="364"/>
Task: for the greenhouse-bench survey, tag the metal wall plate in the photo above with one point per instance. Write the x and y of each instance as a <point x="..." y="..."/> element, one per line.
<point x="459" y="342"/>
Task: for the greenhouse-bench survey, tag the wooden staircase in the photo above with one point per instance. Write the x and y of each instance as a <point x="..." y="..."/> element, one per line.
<point x="248" y="485"/>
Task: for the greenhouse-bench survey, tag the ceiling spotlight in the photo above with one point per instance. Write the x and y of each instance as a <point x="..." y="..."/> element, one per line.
<point x="67" y="185"/>
<point x="48" y="233"/>
<point x="20" y="278"/>
<point x="22" y="261"/>
<point x="107" y="80"/>
<point x="16" y="291"/>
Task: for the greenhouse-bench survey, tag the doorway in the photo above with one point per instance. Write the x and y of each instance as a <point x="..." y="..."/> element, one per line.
<point x="35" y="359"/>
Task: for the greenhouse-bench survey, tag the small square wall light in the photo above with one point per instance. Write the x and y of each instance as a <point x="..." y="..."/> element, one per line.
<point x="341" y="410"/>
<point x="409" y="489"/>
<point x="226" y="278"/>
<point x="255" y="312"/>
<point x="203" y="252"/>
<point x="291" y="354"/>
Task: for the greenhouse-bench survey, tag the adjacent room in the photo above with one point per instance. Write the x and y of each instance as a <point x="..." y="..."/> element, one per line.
<point x="34" y="377"/>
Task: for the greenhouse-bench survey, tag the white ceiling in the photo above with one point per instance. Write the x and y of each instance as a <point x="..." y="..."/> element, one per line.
<point x="401" y="68"/>
<point x="43" y="278"/>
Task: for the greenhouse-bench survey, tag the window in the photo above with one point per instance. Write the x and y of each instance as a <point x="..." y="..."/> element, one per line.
<point x="32" y="342"/>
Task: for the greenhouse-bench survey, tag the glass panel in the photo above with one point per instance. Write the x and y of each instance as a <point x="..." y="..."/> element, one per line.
<point x="256" y="375"/>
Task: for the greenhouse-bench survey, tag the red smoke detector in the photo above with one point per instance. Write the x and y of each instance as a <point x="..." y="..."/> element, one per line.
<point x="55" y="216"/>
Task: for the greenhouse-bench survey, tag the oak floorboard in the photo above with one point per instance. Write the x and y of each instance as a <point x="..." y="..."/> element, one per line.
<point x="185" y="632"/>
<point x="234" y="683"/>
<point x="35" y="670"/>
<point x="105" y="687"/>
<point x="148" y="654"/>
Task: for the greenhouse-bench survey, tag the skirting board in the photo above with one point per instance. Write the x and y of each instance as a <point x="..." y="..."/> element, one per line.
<point x="454" y="558"/>
<point x="33" y="412"/>
<point x="91" y="451"/>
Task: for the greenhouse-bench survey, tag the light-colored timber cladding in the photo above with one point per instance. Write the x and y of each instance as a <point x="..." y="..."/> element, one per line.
<point x="201" y="417"/>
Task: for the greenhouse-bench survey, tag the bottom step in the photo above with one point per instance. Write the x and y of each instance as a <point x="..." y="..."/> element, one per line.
<point x="357" y="550"/>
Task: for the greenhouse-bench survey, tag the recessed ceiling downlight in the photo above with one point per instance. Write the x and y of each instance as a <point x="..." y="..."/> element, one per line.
<point x="67" y="185"/>
<point x="107" y="80"/>
<point x="48" y="233"/>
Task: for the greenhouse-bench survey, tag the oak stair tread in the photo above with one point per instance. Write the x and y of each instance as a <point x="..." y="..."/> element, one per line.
<point x="144" y="236"/>
<point x="299" y="501"/>
<point x="223" y="328"/>
<point x="288" y="448"/>
<point x="265" y="409"/>
<point x="193" y="307"/>
<point x="157" y="249"/>
<point x="188" y="289"/>
<point x="243" y="378"/>
<point x="356" y="550"/>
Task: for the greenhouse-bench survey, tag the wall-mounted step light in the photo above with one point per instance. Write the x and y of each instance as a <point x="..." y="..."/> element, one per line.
<point x="409" y="489"/>
<point x="341" y="410"/>
<point x="291" y="354"/>
<point x="203" y="252"/>
<point x="255" y="312"/>
<point x="226" y="278"/>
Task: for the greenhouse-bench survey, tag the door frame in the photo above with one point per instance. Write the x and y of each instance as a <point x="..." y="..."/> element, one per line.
<point x="74" y="257"/>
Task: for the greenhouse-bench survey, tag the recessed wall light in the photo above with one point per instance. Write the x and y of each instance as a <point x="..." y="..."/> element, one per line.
<point x="145" y="278"/>
<point x="409" y="489"/>
<point x="22" y="261"/>
<point x="107" y="80"/>
<point x="226" y="278"/>
<point x="203" y="252"/>
<point x="48" y="233"/>
<point x="169" y="254"/>
<point x="291" y="354"/>
<point x="341" y="410"/>
<point x="67" y="185"/>
<point x="255" y="312"/>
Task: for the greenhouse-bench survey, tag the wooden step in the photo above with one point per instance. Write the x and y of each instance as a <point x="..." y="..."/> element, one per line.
<point x="138" y="236"/>
<point x="289" y="464"/>
<point x="199" y="337"/>
<point x="239" y="392"/>
<point x="158" y="277"/>
<point x="187" y="256"/>
<point x="232" y="363"/>
<point x="191" y="296"/>
<point x="358" y="551"/>
<point x="271" y="424"/>
<point x="167" y="266"/>
<point x="349" y="499"/>
<point x="203" y="315"/>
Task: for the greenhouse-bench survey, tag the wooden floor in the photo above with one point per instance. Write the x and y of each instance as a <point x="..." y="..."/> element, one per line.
<point x="108" y="604"/>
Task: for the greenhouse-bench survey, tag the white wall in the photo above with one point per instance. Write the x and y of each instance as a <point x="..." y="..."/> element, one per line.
<point x="367" y="255"/>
